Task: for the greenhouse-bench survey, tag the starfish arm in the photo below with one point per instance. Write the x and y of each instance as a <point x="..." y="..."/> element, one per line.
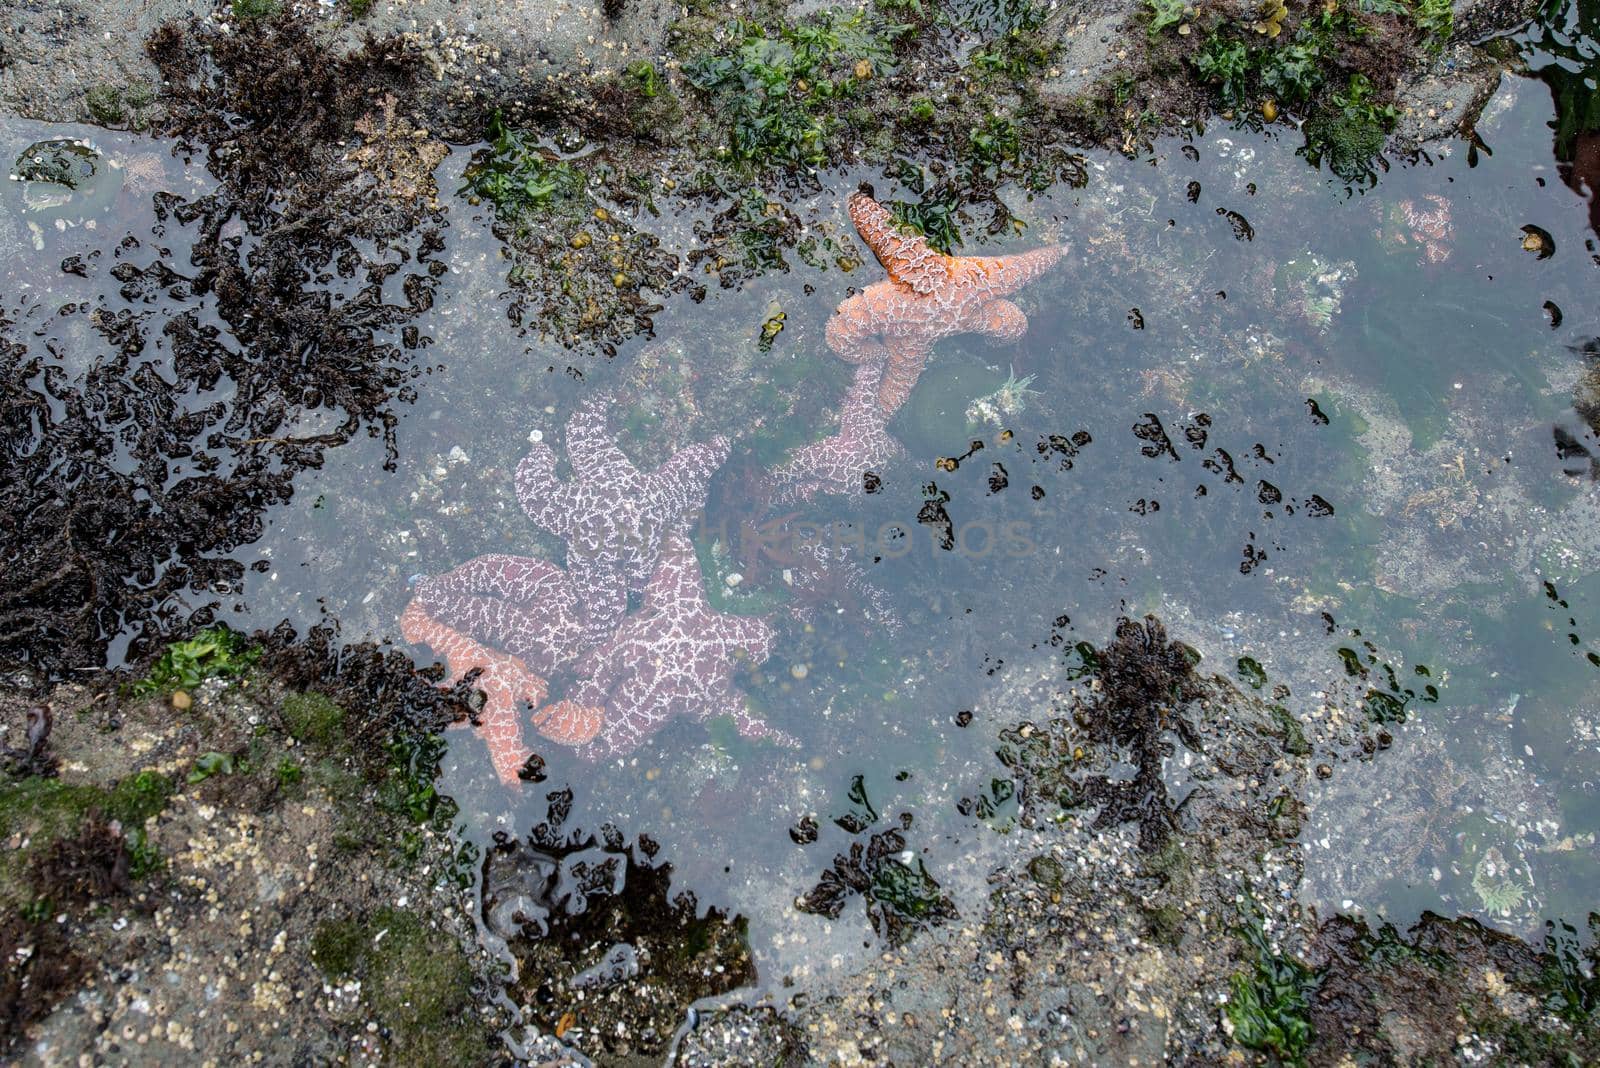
<point x="907" y="357"/>
<point x="518" y="603"/>
<point x="570" y="722"/>
<point x="1004" y="275"/>
<point x="676" y="581"/>
<point x="505" y="681"/>
<point x="514" y="578"/>
<point x="1003" y="320"/>
<point x="500" y="722"/>
<point x="909" y="259"/>
<point x="591" y="449"/>
<point x="681" y="482"/>
<point x="836" y="464"/>
<point x="750" y="633"/>
<point x="545" y="498"/>
<point x="853" y="331"/>
<point x="725" y="699"/>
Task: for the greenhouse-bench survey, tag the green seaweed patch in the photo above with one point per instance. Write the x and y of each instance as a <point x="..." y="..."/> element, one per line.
<point x="901" y="897"/>
<point x="1349" y="133"/>
<point x="409" y="790"/>
<point x="780" y="89"/>
<point x="415" y="981"/>
<point x="125" y="107"/>
<point x="1437" y="21"/>
<point x="217" y="652"/>
<point x="1269" y="1004"/>
<point x="1294" y="738"/>
<point x="209" y="764"/>
<point x="1017" y="46"/>
<point x="254" y="10"/>
<point x="518" y="176"/>
<point x="41" y="812"/>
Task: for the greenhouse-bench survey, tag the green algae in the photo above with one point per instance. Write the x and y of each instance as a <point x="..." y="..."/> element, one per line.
<point x="519" y="176"/>
<point x="1269" y="1007"/>
<point x="208" y="764"/>
<point x="417" y="983"/>
<point x="214" y="653"/>
<point x="120" y="106"/>
<point x="313" y="719"/>
<point x="1350" y="132"/>
<point x="40" y="812"/>
<point x="779" y="88"/>
<point x="254" y="10"/>
<point x="1251" y="671"/>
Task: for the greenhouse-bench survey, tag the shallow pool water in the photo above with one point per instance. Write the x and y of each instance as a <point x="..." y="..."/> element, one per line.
<point x="1311" y="427"/>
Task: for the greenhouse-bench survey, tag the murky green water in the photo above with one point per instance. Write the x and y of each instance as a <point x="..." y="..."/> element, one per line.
<point x="1310" y="427"/>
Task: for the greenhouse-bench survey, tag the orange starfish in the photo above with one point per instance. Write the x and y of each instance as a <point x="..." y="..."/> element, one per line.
<point x="506" y="682"/>
<point x="928" y="296"/>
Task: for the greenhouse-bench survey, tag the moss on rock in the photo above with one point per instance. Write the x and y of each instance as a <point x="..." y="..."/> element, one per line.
<point x="416" y="982"/>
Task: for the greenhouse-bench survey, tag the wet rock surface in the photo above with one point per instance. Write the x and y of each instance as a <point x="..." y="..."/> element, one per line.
<point x="76" y="61"/>
<point x="197" y="883"/>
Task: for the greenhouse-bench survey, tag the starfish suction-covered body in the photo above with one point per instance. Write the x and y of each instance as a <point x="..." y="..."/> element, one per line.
<point x="611" y="515"/>
<point x="842" y="462"/>
<point x="674" y="657"/>
<point x="927" y="296"/>
<point x="506" y="682"/>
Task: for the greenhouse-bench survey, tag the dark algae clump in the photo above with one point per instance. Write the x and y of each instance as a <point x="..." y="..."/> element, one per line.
<point x="901" y="897"/>
<point x="125" y="492"/>
<point x="1383" y="993"/>
<point x="1110" y="753"/>
<point x="602" y="941"/>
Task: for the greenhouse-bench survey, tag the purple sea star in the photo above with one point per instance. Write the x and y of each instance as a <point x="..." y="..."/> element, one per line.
<point x="849" y="459"/>
<point x="520" y="604"/>
<point x="611" y="515"/>
<point x="674" y="657"/>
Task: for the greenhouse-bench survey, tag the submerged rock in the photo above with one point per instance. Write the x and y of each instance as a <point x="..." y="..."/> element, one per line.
<point x="65" y="182"/>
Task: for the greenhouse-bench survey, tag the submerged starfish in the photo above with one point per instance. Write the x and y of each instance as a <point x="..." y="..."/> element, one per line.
<point x="843" y="462"/>
<point x="521" y="604"/>
<point x="675" y="657"/>
<point x="928" y="296"/>
<point x="506" y="683"/>
<point x="1424" y="226"/>
<point x="611" y="514"/>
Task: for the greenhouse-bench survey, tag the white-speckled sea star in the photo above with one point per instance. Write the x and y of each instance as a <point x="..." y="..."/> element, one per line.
<point x="844" y="461"/>
<point x="674" y="657"/>
<point x="611" y="514"/>
<point x="521" y="604"/>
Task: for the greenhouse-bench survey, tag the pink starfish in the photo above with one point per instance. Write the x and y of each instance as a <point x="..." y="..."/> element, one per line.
<point x="611" y="514"/>
<point x="928" y="296"/>
<point x="842" y="462"/>
<point x="507" y="685"/>
<point x="675" y="657"/>
<point x="521" y="604"/>
<point x="1425" y="226"/>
